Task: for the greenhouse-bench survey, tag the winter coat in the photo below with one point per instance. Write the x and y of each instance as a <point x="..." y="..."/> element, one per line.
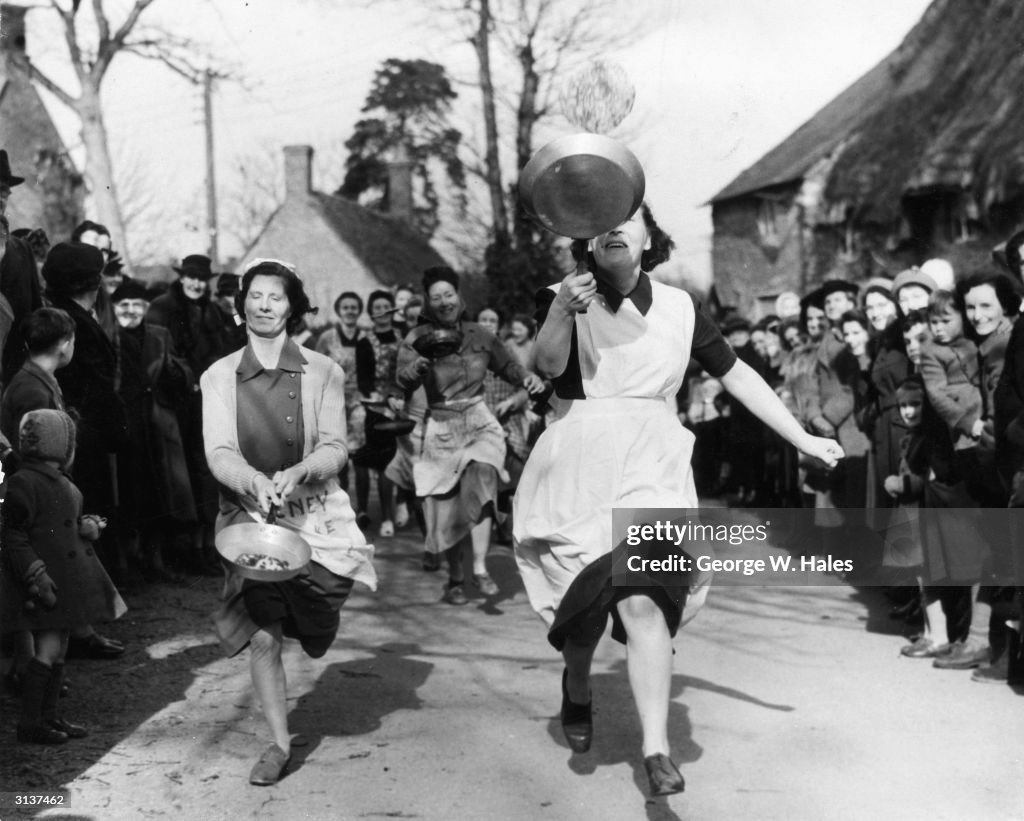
<point x="197" y="327"/>
<point x="153" y="472"/>
<point x="41" y="524"/>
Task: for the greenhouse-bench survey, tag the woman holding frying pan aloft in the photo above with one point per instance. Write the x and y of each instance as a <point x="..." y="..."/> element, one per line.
<point x="616" y="345"/>
<point x="274" y="428"/>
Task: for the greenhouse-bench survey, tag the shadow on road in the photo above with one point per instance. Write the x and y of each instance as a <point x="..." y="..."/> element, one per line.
<point x="353" y="697"/>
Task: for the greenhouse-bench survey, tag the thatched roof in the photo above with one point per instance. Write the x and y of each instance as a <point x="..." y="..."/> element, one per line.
<point x="943" y="111"/>
<point x="390" y="248"/>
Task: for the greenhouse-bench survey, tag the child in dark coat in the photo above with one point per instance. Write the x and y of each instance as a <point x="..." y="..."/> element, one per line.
<point x="51" y="579"/>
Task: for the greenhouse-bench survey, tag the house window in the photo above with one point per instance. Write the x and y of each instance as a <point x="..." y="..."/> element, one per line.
<point x="767" y="221"/>
<point x="963" y="219"/>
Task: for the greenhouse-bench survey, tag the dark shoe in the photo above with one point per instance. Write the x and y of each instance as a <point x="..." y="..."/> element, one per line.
<point x="69" y="729"/>
<point x="998" y="672"/>
<point x="485" y="584"/>
<point x="577" y="720"/>
<point x="431" y="561"/>
<point x="270" y="767"/>
<point x="967" y="655"/>
<point x="364" y="521"/>
<point x="663" y="776"/>
<point x="40" y="734"/>
<point x="454" y="594"/>
<point x="924" y="648"/>
<point x="94" y="647"/>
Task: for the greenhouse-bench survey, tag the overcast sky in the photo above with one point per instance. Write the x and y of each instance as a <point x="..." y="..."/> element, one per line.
<point x="719" y="83"/>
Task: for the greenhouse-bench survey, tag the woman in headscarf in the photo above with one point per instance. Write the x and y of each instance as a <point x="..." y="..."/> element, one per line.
<point x="463" y="452"/>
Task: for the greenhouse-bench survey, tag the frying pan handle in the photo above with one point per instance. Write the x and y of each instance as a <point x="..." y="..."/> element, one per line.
<point x="581" y="269"/>
<point x="272" y="514"/>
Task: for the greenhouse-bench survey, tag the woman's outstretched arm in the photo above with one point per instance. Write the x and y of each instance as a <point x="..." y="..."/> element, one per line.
<point x="743" y="382"/>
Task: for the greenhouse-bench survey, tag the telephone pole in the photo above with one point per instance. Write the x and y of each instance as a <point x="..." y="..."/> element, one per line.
<point x="211" y="183"/>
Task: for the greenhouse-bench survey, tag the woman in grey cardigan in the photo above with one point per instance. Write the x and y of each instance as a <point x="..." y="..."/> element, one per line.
<point x="274" y="428"/>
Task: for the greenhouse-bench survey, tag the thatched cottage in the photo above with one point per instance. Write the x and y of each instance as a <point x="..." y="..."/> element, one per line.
<point x="338" y="245"/>
<point x="52" y="196"/>
<point x="921" y="157"/>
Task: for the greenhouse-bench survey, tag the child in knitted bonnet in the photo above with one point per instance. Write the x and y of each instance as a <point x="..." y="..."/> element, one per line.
<point x="52" y="580"/>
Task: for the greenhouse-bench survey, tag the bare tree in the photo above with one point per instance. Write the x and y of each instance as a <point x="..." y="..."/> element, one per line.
<point x="254" y="190"/>
<point x="92" y="42"/>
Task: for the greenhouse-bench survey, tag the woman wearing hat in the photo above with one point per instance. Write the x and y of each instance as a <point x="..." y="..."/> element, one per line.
<point x="463" y="452"/>
<point x="274" y="426"/>
<point x="155" y="489"/>
<point x="199" y="334"/>
<point x="617" y="344"/>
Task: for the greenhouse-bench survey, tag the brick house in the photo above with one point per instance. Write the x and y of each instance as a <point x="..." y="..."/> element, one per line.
<point x="52" y="196"/>
<point x="919" y="158"/>
<point x="336" y="244"/>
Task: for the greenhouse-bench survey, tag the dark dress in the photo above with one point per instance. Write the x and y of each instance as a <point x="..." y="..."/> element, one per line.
<point x="88" y="385"/>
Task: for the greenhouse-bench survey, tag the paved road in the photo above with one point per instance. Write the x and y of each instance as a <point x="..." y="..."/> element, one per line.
<point x="787" y="704"/>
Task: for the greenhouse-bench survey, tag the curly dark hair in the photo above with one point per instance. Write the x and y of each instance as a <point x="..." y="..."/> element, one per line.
<point x="298" y="301"/>
<point x="660" y="250"/>
<point x="348" y="295"/>
<point x="1006" y="291"/>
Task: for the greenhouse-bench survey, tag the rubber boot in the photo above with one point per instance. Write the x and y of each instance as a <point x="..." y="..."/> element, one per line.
<point x="50" y="700"/>
<point x="33" y="727"/>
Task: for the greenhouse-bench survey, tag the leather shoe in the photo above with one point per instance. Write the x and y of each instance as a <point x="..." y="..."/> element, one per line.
<point x="663" y="775"/>
<point x="41" y="733"/>
<point x="577" y="720"/>
<point x="966" y="655"/>
<point x="271" y="766"/>
<point x="925" y="648"/>
<point x="998" y="672"/>
<point x="454" y="594"/>
<point x="69" y="729"/>
<point x="485" y="584"/>
<point x="94" y="647"/>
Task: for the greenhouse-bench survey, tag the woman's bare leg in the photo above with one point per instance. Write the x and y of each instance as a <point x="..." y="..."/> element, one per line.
<point x="649" y="660"/>
<point x="268" y="679"/>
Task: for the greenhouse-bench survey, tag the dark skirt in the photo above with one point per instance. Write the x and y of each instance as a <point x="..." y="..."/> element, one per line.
<point x="306" y="606"/>
<point x="592" y="597"/>
<point x="380" y="445"/>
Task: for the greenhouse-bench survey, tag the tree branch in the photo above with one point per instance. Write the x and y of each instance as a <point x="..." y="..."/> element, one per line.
<point x="24" y="65"/>
<point x="112" y="45"/>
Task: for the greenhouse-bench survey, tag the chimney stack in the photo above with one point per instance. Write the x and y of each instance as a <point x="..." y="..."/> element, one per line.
<point x="12" y="29"/>
<point x="400" y="186"/>
<point x="298" y="171"/>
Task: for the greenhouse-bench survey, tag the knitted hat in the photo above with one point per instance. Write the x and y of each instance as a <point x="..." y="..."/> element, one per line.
<point x="913" y="276"/>
<point x="47" y="434"/>
<point x="941" y="271"/>
<point x="440" y="273"/>
<point x="877" y="285"/>
<point x="73" y="268"/>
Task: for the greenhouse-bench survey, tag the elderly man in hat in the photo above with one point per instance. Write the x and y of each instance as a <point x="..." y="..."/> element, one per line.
<point x="199" y="334"/>
<point x="19" y="279"/>
<point x="156" y="491"/>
